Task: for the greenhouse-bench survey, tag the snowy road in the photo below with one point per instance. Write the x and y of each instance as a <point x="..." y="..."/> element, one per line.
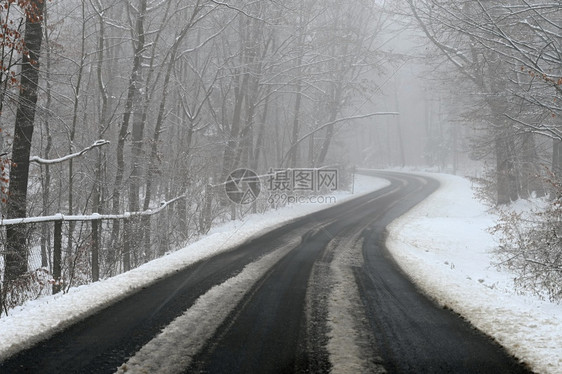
<point x="318" y="294"/>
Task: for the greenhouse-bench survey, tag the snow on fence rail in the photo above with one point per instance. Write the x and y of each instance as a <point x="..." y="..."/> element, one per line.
<point x="90" y="217"/>
<point x="95" y="219"/>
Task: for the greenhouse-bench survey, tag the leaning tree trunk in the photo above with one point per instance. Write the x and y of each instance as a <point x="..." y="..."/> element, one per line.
<point x="153" y="163"/>
<point x="124" y="130"/>
<point x="16" y="256"/>
<point x="258" y="150"/>
<point x="335" y="106"/>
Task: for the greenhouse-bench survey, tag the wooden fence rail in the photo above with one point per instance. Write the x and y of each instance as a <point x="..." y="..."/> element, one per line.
<point x="95" y="220"/>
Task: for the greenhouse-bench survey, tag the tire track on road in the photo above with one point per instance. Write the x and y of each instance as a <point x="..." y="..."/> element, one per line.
<point x="274" y="329"/>
<point x="172" y="350"/>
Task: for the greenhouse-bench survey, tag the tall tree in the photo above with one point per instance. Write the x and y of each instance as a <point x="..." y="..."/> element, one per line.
<point x="16" y="236"/>
<point x="133" y="96"/>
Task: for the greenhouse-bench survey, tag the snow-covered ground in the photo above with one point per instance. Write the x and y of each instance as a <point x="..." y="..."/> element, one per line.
<point x="444" y="245"/>
<point x="40" y="318"/>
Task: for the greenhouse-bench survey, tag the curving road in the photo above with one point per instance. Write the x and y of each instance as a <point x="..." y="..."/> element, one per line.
<point x="318" y="295"/>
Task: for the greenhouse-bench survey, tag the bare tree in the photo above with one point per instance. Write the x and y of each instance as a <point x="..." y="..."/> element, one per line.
<point x="485" y="42"/>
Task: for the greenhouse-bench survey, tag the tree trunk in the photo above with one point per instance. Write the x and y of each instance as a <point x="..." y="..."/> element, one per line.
<point x="97" y="206"/>
<point x="556" y="164"/>
<point x="261" y="133"/>
<point x="72" y="135"/>
<point x="153" y="158"/>
<point x="506" y="181"/>
<point x="16" y="256"/>
<point x="502" y="174"/>
<point x="132" y="92"/>
<point x="45" y="170"/>
<point x="233" y="141"/>
<point x="399" y="126"/>
<point x="335" y="107"/>
<point x="296" y="125"/>
<point x="531" y="182"/>
<point x="557" y="158"/>
<point x="514" y="180"/>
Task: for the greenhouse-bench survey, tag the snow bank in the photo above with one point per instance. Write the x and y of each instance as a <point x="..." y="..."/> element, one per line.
<point x="38" y="319"/>
<point x="444" y="246"/>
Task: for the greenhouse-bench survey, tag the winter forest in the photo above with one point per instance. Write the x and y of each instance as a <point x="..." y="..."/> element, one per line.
<point x="121" y="120"/>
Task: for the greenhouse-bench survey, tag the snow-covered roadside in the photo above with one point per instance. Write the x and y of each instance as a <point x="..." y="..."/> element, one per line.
<point x="40" y="318"/>
<point x="444" y="246"/>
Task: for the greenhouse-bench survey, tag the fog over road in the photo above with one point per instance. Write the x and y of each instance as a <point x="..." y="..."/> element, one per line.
<point x="319" y="294"/>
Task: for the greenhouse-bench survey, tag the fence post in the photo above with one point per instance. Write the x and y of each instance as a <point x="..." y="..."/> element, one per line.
<point x="146" y="237"/>
<point x="207" y="210"/>
<point x="57" y="257"/>
<point x="95" y="251"/>
<point x="126" y="245"/>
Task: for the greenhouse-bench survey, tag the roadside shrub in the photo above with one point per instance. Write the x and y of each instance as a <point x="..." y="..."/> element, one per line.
<point x="484" y="188"/>
<point x="28" y="286"/>
<point x="531" y="247"/>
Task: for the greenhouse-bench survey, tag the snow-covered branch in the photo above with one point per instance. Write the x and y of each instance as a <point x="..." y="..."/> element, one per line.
<point x="43" y="161"/>
<point x="90" y="217"/>
<point x="339" y="120"/>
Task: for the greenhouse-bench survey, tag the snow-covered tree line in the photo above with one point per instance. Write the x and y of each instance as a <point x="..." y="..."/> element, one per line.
<point x="504" y="59"/>
<point x="185" y="93"/>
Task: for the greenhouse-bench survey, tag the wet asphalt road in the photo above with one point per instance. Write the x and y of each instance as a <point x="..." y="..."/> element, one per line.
<point x="281" y="326"/>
